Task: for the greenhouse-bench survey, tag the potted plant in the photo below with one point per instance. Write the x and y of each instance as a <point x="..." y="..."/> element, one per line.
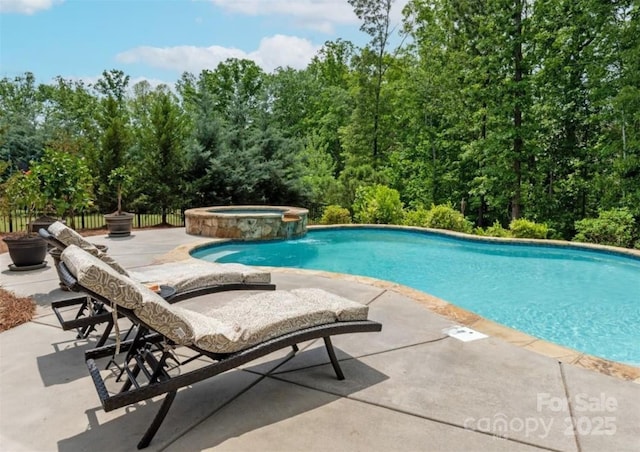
<point x="21" y="193"/>
<point x="119" y="223"/>
<point x="66" y="186"/>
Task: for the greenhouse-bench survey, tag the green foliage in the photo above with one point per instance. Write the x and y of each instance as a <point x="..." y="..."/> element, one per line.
<point x="65" y="182"/>
<point x="417" y="217"/>
<point x="526" y="229"/>
<point x="444" y="216"/>
<point x="378" y="204"/>
<point x="318" y="172"/>
<point x="21" y="134"/>
<point x="613" y="227"/>
<point x="354" y="176"/>
<point x="21" y="191"/>
<point x="159" y="155"/>
<point x="120" y="180"/>
<point x="113" y="120"/>
<point x="334" y="214"/>
<point x="496" y="230"/>
<point x="524" y="109"/>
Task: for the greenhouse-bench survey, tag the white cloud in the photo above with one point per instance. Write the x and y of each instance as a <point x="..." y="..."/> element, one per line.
<point x="26" y="6"/>
<point x="321" y="15"/>
<point x="274" y="51"/>
<point x="280" y="50"/>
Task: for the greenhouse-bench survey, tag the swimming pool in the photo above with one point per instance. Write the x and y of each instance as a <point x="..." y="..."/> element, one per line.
<point x="583" y="299"/>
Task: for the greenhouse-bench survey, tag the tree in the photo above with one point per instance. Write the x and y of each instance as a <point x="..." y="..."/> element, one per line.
<point x="115" y="142"/>
<point x="368" y="137"/>
<point x="236" y="85"/>
<point x="69" y="117"/>
<point x="573" y="42"/>
<point x="65" y="183"/>
<point x="480" y="56"/>
<point x="331" y="108"/>
<point x="21" y="137"/>
<point x="160" y="141"/>
<point x="205" y="142"/>
<point x="376" y="22"/>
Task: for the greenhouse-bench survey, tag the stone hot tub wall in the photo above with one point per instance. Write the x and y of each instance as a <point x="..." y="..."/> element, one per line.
<point x="265" y="223"/>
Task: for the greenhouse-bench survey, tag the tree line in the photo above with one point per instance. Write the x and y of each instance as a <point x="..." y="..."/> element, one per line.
<point x="504" y="109"/>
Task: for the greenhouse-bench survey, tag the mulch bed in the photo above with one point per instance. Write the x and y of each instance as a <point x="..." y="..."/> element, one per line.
<point x="14" y="310"/>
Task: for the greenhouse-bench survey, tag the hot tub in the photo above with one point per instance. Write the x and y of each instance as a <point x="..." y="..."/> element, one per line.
<point x="247" y="222"/>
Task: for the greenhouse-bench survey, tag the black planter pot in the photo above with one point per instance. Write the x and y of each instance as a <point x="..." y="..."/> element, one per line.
<point x="55" y="254"/>
<point x="27" y="253"/>
<point x="42" y="222"/>
<point x="119" y="225"/>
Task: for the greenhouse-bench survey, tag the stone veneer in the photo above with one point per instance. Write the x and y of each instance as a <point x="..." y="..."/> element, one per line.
<point x="249" y="223"/>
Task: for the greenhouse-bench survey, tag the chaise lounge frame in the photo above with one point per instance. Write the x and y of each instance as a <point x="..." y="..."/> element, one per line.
<point x="150" y="352"/>
<point x="93" y="312"/>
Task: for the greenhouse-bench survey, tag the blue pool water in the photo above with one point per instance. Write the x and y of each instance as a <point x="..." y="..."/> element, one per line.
<point x="583" y="299"/>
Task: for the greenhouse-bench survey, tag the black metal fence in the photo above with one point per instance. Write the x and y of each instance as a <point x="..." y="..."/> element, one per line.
<point x="16" y="221"/>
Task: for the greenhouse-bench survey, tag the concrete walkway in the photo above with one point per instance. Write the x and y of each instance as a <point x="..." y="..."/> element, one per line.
<point x="409" y="388"/>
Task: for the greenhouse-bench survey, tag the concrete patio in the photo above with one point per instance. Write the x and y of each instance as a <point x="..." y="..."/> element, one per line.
<point x="411" y="387"/>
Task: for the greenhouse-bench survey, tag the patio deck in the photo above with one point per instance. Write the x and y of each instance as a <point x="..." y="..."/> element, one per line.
<point x="410" y="387"/>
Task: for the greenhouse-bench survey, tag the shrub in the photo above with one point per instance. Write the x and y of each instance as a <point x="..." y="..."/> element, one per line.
<point x="612" y="227"/>
<point x="444" y="216"/>
<point x="496" y="230"/>
<point x="335" y="214"/>
<point x="378" y="204"/>
<point x="417" y="217"/>
<point x="527" y="229"/>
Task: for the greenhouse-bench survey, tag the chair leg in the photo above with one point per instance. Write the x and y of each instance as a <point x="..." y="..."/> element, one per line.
<point x="157" y="420"/>
<point x="94" y="308"/>
<point x="105" y="334"/>
<point x="83" y="333"/>
<point x="332" y="357"/>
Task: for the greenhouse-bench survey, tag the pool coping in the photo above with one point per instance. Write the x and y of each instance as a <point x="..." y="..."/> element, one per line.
<point x="454" y="313"/>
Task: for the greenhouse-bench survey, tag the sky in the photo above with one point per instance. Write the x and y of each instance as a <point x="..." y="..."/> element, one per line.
<point x="158" y="40"/>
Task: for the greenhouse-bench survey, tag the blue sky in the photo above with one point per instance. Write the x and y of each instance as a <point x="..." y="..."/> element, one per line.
<point x="157" y="40"/>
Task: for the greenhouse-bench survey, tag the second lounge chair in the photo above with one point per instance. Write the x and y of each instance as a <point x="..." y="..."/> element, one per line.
<point x="187" y="278"/>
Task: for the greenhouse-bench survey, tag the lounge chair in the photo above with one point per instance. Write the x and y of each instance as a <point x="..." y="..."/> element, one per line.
<point x="221" y="336"/>
<point x="187" y="279"/>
